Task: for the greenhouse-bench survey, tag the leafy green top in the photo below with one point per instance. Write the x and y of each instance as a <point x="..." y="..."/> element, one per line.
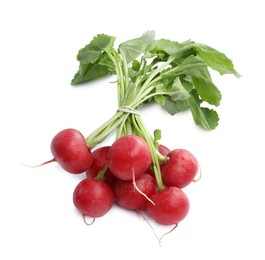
<point x="173" y="74"/>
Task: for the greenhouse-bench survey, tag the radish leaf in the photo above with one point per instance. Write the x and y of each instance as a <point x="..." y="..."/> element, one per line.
<point x="135" y="47"/>
<point x="215" y="59"/>
<point x="172" y="74"/>
<point x="203" y="117"/>
<point x="92" y="51"/>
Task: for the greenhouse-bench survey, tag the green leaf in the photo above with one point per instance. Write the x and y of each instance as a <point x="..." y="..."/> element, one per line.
<point x="106" y="61"/>
<point x="195" y="67"/>
<point x="135" y="47"/>
<point x="175" y="98"/>
<point x="178" y="91"/>
<point x="215" y="59"/>
<point x="163" y="46"/>
<point x="88" y="72"/>
<point x="171" y="47"/>
<point x="173" y="107"/>
<point x="207" y="90"/>
<point x="92" y="51"/>
<point x="190" y="65"/>
<point x="94" y="62"/>
<point x="203" y="117"/>
<point x="136" y="65"/>
<point x="157" y="137"/>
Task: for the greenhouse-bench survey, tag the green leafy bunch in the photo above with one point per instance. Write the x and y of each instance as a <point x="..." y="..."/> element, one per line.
<point x="172" y="74"/>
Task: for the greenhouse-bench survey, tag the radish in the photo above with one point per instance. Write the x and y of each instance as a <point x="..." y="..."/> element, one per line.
<point x="71" y="151"/>
<point x="93" y="197"/>
<point x="129" y="155"/>
<point x="163" y="150"/>
<point x="171" y="206"/>
<point x="127" y="196"/>
<point x="99" y="166"/>
<point x="180" y="169"/>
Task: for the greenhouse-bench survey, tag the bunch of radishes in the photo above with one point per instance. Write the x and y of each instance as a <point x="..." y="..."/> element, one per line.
<point x="136" y="171"/>
<point x="123" y="173"/>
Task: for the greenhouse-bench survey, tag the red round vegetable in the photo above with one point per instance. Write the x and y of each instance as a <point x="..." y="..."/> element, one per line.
<point x="129" y="155"/>
<point x="99" y="163"/>
<point x="71" y="151"/>
<point x="93" y="197"/>
<point x="171" y="206"/>
<point x="127" y="196"/>
<point x="163" y="150"/>
<point x="180" y="169"/>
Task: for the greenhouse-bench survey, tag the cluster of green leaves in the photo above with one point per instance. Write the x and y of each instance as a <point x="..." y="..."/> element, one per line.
<point x="175" y="75"/>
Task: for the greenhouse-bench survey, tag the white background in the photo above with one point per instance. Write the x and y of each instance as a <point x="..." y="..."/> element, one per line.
<point x="38" y="47"/>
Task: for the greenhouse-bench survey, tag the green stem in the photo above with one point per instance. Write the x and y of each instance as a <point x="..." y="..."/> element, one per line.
<point x="101" y="174"/>
<point x="101" y="133"/>
<point x="125" y="70"/>
<point x="155" y="158"/>
<point x="124" y="122"/>
<point x="115" y="58"/>
<point x="123" y="128"/>
<point x="146" y="85"/>
<point x="120" y="83"/>
<point x="144" y="98"/>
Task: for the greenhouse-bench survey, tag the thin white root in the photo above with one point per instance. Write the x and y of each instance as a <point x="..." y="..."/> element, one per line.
<point x="145" y="219"/>
<point x="200" y="175"/>
<point x="135" y="186"/>
<point x="175" y="226"/>
<point x="88" y="224"/>
<point x="27" y="165"/>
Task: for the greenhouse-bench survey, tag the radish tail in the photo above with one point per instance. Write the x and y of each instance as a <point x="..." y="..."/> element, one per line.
<point x="200" y="175"/>
<point x="88" y="224"/>
<point x="38" y="165"/>
<point x="145" y="219"/>
<point x="175" y="226"/>
<point x="135" y="186"/>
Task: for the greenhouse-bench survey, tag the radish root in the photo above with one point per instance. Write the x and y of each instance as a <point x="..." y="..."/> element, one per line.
<point x="88" y="224"/>
<point x="38" y="165"/>
<point x="145" y="219"/>
<point x="200" y="175"/>
<point x="175" y="226"/>
<point x="135" y="186"/>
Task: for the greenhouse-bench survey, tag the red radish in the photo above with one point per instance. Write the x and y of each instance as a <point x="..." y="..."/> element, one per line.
<point x="93" y="198"/>
<point x="180" y="169"/>
<point x="162" y="150"/>
<point x="99" y="163"/>
<point x="129" y="154"/>
<point x="127" y="196"/>
<point x="171" y="206"/>
<point x="71" y="151"/>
